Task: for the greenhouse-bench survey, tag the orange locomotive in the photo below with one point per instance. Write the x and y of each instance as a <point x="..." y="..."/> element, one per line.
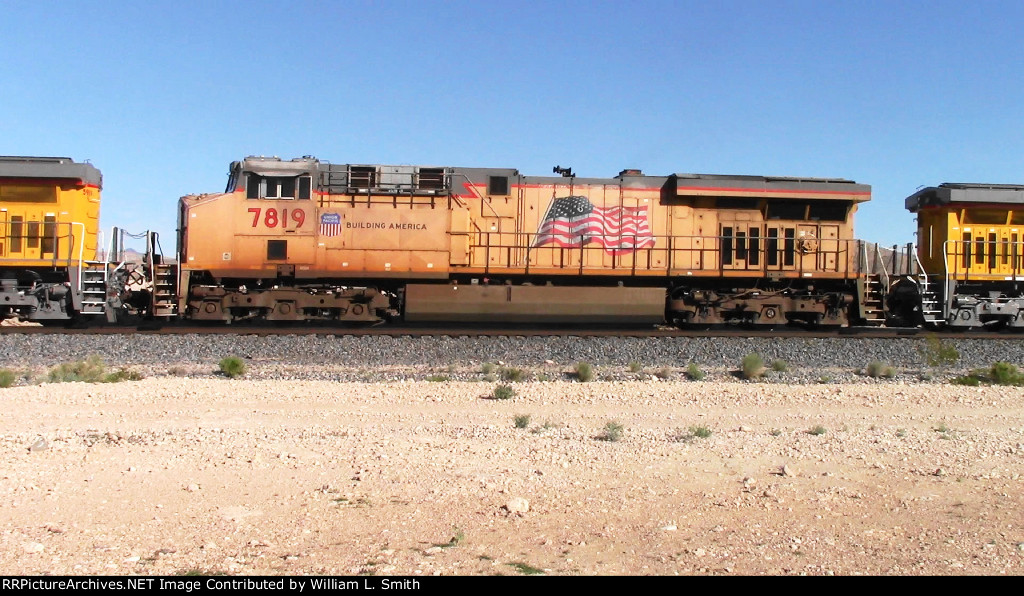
<point x="308" y="240"/>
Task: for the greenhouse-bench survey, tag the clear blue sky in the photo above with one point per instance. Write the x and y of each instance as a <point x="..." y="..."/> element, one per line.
<point x="162" y="96"/>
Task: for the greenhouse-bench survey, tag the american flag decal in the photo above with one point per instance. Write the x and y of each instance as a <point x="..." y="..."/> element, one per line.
<point x="330" y="224"/>
<point x="575" y="221"/>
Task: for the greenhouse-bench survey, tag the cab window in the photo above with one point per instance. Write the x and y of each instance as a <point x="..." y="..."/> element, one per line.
<point x="278" y="187"/>
<point x="25" y="193"/>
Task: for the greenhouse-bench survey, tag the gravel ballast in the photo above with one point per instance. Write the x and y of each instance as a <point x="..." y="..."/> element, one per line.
<point x="808" y="359"/>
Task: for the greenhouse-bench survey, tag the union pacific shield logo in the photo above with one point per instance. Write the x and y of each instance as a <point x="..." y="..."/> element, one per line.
<point x="330" y="224"/>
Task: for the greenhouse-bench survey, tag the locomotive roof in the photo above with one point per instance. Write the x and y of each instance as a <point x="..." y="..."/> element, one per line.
<point x="54" y="168"/>
<point x="770" y="186"/>
<point x="783" y="187"/>
<point x="949" y="193"/>
<point x="275" y="166"/>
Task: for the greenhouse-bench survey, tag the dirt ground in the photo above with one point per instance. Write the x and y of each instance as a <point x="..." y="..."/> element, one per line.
<point x="179" y="475"/>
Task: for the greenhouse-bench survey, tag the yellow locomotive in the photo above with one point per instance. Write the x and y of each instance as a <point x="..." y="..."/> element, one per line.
<point x="52" y="267"/>
<point x="49" y="227"/>
<point x="969" y="264"/>
<point x="303" y="239"/>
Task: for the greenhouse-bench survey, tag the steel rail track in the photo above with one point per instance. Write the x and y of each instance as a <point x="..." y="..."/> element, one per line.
<point x="508" y="331"/>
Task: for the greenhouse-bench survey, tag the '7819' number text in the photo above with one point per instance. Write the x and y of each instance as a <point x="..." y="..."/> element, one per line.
<point x="272" y="218"/>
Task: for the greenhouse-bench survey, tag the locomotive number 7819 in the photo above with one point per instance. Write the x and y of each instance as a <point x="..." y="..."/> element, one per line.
<point x="272" y="218"/>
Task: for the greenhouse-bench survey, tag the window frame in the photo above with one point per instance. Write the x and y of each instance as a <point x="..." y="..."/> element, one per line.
<point x="277" y="246"/>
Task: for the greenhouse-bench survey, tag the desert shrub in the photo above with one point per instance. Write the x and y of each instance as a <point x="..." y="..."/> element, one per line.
<point x="691" y="434"/>
<point x="876" y="369"/>
<point x="1000" y="373"/>
<point x="7" y="377"/>
<point x="938" y="353"/>
<point x="504" y="392"/>
<point x="1004" y="373"/>
<point x="584" y="372"/>
<point x="780" y="366"/>
<point x="971" y="380"/>
<point x="635" y="367"/>
<point x="664" y="373"/>
<point x="522" y="420"/>
<point x="513" y="375"/>
<point x="90" y="370"/>
<point x="817" y="430"/>
<point x="526" y="569"/>
<point x="487" y="368"/>
<point x="548" y="425"/>
<point x="232" y="366"/>
<point x="752" y="366"/>
<point x="694" y="372"/>
<point x="122" y="375"/>
<point x="701" y="432"/>
<point x="611" y="432"/>
<point x="438" y="378"/>
<point x="458" y="536"/>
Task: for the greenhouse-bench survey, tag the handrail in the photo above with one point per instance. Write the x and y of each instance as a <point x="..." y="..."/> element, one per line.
<point x="63" y="252"/>
<point x="81" y="251"/>
<point x="704" y="254"/>
<point x="920" y="267"/>
<point x="112" y="253"/>
<point x="945" y="258"/>
<point x="370" y="179"/>
<point x="472" y="188"/>
<point x="881" y="264"/>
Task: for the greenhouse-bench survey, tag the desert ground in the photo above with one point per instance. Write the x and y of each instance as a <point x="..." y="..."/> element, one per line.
<point x="175" y="474"/>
